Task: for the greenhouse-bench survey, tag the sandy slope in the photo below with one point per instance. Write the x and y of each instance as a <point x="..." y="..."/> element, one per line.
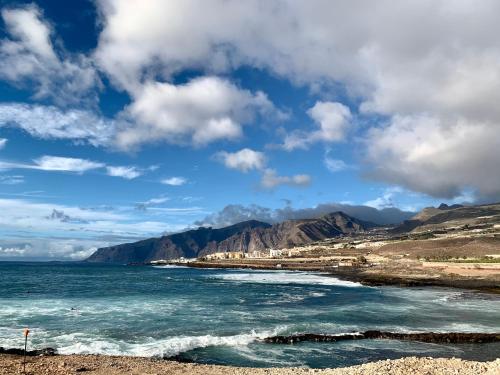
<point x="105" y="365"/>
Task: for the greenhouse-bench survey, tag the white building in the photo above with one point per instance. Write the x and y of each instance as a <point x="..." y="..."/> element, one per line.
<point x="275" y="253"/>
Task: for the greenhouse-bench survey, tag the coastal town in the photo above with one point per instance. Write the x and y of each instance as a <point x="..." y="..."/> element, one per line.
<point x="462" y="252"/>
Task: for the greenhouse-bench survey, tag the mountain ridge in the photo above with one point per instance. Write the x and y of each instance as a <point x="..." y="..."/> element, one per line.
<point x="245" y="236"/>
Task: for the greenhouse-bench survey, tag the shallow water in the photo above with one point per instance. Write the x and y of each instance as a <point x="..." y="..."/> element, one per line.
<point x="217" y="316"/>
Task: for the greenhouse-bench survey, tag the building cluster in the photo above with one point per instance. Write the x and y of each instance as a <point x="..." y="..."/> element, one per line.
<point x="256" y="254"/>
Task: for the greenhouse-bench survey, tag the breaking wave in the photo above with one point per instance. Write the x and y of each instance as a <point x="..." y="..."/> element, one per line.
<point x="284" y="277"/>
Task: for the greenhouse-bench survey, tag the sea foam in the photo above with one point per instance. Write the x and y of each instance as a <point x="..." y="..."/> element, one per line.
<point x="164" y="347"/>
<point x="283" y="277"/>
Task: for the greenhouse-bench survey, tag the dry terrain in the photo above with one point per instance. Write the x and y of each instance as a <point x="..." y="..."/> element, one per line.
<point x="107" y="365"/>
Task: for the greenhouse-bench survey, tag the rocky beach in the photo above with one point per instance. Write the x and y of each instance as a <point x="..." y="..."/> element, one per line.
<point x="111" y="365"/>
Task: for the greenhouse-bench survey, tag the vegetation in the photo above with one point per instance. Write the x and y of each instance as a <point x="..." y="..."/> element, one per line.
<point x="447" y="258"/>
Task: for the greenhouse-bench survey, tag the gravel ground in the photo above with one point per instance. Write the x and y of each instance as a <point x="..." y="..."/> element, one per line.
<point x="104" y="365"/>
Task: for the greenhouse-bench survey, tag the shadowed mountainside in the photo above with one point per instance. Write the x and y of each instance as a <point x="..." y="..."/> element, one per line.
<point x="246" y="236"/>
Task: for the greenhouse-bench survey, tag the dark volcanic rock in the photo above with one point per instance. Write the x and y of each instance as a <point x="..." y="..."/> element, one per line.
<point x="451" y="337"/>
<point x="31" y="353"/>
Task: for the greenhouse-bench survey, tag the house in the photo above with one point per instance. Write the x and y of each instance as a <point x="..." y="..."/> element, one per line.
<point x="273" y="253"/>
<point x="345" y="263"/>
<point x="215" y="256"/>
<point x="255" y="254"/>
<point x="235" y="255"/>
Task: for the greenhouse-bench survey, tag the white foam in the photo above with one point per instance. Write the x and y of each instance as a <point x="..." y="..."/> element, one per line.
<point x="161" y="348"/>
<point x="284" y="277"/>
<point x="170" y="266"/>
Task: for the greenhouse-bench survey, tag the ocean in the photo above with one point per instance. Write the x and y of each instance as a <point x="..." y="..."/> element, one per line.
<point x="218" y="316"/>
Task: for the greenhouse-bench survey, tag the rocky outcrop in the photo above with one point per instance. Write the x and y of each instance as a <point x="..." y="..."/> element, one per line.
<point x="246" y="237"/>
<point x="30" y="353"/>
<point x="449" y="338"/>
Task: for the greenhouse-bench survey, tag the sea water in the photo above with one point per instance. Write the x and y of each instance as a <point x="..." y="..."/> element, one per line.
<point x="219" y="316"/>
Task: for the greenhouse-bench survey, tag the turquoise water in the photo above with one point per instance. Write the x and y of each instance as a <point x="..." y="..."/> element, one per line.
<point x="217" y="316"/>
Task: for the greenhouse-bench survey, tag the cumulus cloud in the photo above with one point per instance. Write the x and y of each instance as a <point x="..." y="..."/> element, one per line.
<point x="201" y="111"/>
<point x="49" y="122"/>
<point x="448" y="73"/>
<point x="29" y="58"/>
<point x="333" y="120"/>
<point x="441" y="158"/>
<point x="243" y="160"/>
<point x="174" y="181"/>
<point x="235" y="213"/>
<point x="128" y="173"/>
<point x="3" y="142"/>
<point x="270" y="179"/>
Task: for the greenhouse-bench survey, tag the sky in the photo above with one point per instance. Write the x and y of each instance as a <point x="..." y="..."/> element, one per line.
<point x="126" y="119"/>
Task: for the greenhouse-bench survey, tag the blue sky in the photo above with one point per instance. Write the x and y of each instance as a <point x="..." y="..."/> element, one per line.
<point x="121" y="120"/>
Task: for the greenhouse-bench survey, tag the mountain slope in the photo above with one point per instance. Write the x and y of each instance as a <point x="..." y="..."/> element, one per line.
<point x="247" y="236"/>
<point x="444" y="216"/>
<point x="185" y="244"/>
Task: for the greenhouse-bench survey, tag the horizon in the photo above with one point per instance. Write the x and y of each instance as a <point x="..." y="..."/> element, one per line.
<point x="118" y="123"/>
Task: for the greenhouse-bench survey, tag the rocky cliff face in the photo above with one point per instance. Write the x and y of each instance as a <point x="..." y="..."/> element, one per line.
<point x="186" y="244"/>
<point x="247" y="236"/>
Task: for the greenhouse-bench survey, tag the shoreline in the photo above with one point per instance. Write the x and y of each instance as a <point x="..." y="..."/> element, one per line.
<point x="119" y="365"/>
<point x="374" y="277"/>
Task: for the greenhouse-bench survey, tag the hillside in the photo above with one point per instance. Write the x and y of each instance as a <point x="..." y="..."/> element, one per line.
<point x="447" y="217"/>
<point x="246" y="236"/>
<point x="186" y="244"/>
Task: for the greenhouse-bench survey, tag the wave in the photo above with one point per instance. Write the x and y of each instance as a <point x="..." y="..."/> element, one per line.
<point x="162" y="348"/>
<point x="275" y="277"/>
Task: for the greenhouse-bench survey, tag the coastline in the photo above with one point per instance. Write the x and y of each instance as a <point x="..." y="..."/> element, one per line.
<point x="115" y="365"/>
<point x="365" y="276"/>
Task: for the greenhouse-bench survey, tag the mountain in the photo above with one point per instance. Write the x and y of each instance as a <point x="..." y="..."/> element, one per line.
<point x="456" y="215"/>
<point x="186" y="244"/>
<point x="246" y="236"/>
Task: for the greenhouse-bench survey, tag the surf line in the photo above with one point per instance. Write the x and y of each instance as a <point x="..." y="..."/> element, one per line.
<point x="432" y="337"/>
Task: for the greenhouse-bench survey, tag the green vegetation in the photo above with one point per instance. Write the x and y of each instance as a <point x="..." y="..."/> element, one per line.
<point x="484" y="259"/>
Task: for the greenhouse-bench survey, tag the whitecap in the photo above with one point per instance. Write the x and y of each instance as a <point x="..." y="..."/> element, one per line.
<point x="164" y="347"/>
<point x="274" y="277"/>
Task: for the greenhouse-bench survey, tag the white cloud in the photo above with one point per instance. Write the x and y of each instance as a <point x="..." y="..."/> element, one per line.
<point x="3" y="142"/>
<point x="55" y="163"/>
<point x="243" y="160"/>
<point x="439" y="158"/>
<point x="270" y="179"/>
<point x="129" y="172"/>
<point x="48" y="122"/>
<point x="201" y="111"/>
<point x="64" y="164"/>
<point x="333" y="120"/>
<point x="67" y="164"/>
<point x="174" y="181"/>
<point x="74" y="231"/>
<point x="29" y="57"/>
<point x="448" y="71"/>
